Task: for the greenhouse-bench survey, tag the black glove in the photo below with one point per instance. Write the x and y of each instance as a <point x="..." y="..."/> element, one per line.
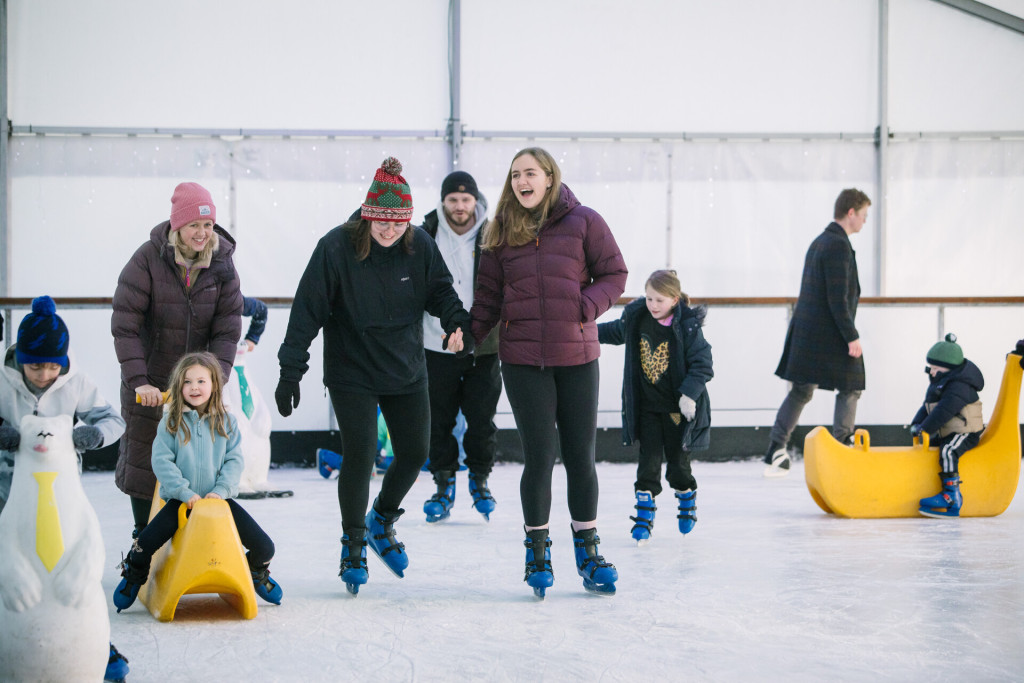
<point x="87" y="437"/>
<point x="10" y="438"/>
<point x="287" y="396"/>
<point x="1020" y="351"/>
<point x="915" y="431"/>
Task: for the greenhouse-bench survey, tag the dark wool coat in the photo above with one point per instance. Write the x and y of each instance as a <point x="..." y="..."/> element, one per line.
<point x="947" y="394"/>
<point x="156" y="320"/>
<point x="817" y="343"/>
<point x="690" y="368"/>
<point x="547" y="294"/>
<point x="489" y="346"/>
<point x="371" y="312"/>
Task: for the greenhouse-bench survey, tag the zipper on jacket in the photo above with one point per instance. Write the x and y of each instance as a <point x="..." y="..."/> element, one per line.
<point x="540" y="299"/>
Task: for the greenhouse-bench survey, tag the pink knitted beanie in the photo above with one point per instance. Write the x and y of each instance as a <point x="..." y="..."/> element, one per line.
<point x="191" y="202"/>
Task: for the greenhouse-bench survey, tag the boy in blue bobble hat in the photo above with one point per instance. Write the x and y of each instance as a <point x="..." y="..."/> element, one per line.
<point x="951" y="416"/>
<point x="38" y="376"/>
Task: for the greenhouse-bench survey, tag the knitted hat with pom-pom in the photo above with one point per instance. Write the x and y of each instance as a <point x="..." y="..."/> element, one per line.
<point x="946" y="354"/>
<point x="42" y="335"/>
<point x="389" y="197"/>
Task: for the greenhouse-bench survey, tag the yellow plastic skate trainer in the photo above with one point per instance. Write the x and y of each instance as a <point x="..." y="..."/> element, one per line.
<point x="205" y="555"/>
<point x="860" y="481"/>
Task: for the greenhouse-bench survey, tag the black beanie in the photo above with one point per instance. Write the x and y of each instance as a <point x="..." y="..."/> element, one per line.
<point x="42" y="335"/>
<point x="459" y="181"/>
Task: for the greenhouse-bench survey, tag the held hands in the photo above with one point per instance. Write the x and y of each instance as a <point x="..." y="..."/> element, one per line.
<point x="688" y="407"/>
<point x="287" y="396"/>
<point x="462" y="345"/>
<point x="87" y="437"/>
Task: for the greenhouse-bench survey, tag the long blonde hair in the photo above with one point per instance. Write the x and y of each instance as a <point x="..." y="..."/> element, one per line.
<point x="514" y="224"/>
<point x="176" y="405"/>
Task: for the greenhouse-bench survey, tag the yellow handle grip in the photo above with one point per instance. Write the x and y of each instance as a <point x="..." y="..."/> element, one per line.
<point x="164" y="394"/>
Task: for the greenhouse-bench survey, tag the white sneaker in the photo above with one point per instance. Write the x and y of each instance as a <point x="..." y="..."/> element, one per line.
<point x="779" y="466"/>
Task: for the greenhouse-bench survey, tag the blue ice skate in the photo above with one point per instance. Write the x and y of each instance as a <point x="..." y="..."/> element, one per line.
<point x="327" y="462"/>
<point x="599" y="577"/>
<point x="353" y="560"/>
<point x="946" y="503"/>
<point x="687" y="510"/>
<point x="439" y="506"/>
<point x="381" y="539"/>
<point x="117" y="666"/>
<point x="483" y="501"/>
<point x="134" y="574"/>
<point x="643" y="523"/>
<point x="266" y="587"/>
<point x="539" y="575"/>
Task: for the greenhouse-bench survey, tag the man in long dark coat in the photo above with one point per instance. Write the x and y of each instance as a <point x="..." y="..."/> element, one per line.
<point x="823" y="348"/>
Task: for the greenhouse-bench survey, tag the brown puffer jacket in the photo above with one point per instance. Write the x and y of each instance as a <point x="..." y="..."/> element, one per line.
<point x="156" y="320"/>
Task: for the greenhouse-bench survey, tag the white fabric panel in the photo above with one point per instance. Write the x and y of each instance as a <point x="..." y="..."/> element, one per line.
<point x="950" y="71"/>
<point x="314" y="64"/>
<point x="954" y="218"/>
<point x="682" y="65"/>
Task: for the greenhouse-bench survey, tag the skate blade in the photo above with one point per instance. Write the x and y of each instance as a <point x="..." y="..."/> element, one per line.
<point x="352" y="588"/>
<point x="775" y="472"/>
<point x="605" y="590"/>
<point x="641" y="542"/>
<point x="434" y="519"/>
<point x="938" y="514"/>
<point x="397" y="572"/>
<point x="538" y="592"/>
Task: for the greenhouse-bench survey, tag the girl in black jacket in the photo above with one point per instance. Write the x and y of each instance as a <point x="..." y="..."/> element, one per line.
<point x="664" y="401"/>
<point x="367" y="285"/>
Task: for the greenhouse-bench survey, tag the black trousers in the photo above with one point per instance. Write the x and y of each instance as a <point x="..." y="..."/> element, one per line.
<point x="556" y="413"/>
<point x="952" y="447"/>
<point x="660" y="435"/>
<point x="408" y="419"/>
<point x="163" y="525"/>
<point x="472" y="385"/>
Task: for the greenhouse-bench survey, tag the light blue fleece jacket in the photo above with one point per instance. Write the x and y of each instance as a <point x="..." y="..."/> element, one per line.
<point x="207" y="463"/>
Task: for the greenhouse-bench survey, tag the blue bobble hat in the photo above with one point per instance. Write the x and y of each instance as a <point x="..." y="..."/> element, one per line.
<point x="42" y="335"/>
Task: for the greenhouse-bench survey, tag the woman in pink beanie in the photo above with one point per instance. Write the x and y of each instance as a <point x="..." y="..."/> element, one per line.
<point x="178" y="293"/>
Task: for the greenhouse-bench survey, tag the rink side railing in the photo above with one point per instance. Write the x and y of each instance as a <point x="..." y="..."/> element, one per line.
<point x="9" y="304"/>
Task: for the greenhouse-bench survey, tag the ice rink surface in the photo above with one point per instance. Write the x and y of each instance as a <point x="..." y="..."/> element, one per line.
<point x="766" y="588"/>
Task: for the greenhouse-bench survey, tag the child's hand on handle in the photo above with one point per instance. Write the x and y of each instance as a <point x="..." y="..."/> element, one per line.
<point x="213" y="495"/>
<point x="149" y="396"/>
<point x="193" y="500"/>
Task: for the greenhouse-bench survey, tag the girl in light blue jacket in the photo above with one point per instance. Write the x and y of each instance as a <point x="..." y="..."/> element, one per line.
<point x="196" y="454"/>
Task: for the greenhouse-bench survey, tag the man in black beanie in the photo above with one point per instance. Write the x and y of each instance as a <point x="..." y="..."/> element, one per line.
<point x="471" y="384"/>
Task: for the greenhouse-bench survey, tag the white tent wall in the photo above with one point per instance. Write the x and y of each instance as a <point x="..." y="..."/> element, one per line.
<point x="732" y="213"/>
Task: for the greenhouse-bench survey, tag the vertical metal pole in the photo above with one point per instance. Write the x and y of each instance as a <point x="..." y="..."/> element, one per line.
<point x="454" y="84"/>
<point x="5" y="242"/>
<point x="668" y="213"/>
<point x="882" y="210"/>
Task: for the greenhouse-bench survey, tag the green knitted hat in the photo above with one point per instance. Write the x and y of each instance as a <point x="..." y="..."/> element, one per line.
<point x="389" y="197"/>
<point x="947" y="354"/>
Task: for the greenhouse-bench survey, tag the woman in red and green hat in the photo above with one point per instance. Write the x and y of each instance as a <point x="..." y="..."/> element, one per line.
<point x="367" y="285"/>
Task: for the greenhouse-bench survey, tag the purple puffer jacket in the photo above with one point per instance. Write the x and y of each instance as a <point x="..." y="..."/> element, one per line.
<point x="156" y="321"/>
<point x="547" y="294"/>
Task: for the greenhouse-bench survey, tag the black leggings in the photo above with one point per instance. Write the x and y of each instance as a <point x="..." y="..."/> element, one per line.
<point x="556" y="411"/>
<point x="163" y="525"/>
<point x="408" y="419"/>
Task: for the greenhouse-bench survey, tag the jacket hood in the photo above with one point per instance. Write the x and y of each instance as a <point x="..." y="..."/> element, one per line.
<point x="566" y="202"/>
<point x="968" y="373"/>
<point x="682" y="312"/>
<point x="12" y="371"/>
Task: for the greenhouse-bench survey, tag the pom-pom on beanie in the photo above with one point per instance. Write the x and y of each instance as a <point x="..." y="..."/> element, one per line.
<point x="459" y="181"/>
<point x="946" y="354"/>
<point x="42" y="335"/>
<point x="389" y="197"/>
<point x="191" y="202"/>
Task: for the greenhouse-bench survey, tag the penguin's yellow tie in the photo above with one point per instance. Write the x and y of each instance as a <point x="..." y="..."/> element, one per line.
<point x="49" y="539"/>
